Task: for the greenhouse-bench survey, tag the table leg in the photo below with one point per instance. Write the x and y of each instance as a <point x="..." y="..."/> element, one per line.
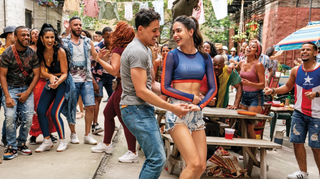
<point x="273" y="125"/>
<point x="244" y="135"/>
<point x="159" y="117"/>
<point x="168" y="151"/>
<point x="252" y="159"/>
<point x="263" y="163"/>
<point x="173" y="157"/>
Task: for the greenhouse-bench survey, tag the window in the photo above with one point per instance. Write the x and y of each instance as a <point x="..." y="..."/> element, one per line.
<point x="260" y="31"/>
<point x="59" y="27"/>
<point x="28" y="15"/>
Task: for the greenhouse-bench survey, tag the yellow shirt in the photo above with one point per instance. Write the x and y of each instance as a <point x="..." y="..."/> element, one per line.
<point x="223" y="81"/>
<point x="2" y="49"/>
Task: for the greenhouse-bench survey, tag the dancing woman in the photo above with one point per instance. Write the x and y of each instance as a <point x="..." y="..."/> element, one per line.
<point x="34" y="34"/>
<point x="120" y="38"/>
<point x="253" y="81"/>
<point x="35" y="129"/>
<point x="185" y="67"/>
<point x="210" y="49"/>
<point x="157" y="67"/>
<point x="54" y="67"/>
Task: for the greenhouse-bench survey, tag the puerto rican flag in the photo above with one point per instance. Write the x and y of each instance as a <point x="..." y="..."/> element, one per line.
<point x="305" y="83"/>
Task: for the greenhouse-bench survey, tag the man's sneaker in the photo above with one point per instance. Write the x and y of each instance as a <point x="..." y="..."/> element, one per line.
<point x="298" y="175"/>
<point x="63" y="145"/>
<point x="46" y="145"/>
<point x="33" y="140"/>
<point x="4" y="140"/>
<point x="102" y="147"/>
<point x="24" y="150"/>
<point x="129" y="157"/>
<point x="74" y="138"/>
<point x="53" y="139"/>
<point x="96" y="129"/>
<point x="89" y="139"/>
<point x="10" y="153"/>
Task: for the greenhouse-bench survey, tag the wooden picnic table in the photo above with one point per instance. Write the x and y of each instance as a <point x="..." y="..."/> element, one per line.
<point x="217" y="113"/>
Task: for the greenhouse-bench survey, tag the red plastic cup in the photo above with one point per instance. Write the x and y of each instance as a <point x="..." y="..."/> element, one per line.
<point x="229" y="133"/>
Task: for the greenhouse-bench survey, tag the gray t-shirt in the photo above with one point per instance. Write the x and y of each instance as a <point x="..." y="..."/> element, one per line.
<point x="136" y="55"/>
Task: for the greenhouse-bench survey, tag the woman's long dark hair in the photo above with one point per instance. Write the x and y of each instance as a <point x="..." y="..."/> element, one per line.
<point x="213" y="50"/>
<point x="192" y="23"/>
<point x="57" y="44"/>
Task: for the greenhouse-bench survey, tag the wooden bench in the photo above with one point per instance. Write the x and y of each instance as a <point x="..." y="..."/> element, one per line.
<point x="173" y="159"/>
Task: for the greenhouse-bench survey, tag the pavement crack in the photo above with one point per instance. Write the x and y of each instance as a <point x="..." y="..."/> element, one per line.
<point x="105" y="158"/>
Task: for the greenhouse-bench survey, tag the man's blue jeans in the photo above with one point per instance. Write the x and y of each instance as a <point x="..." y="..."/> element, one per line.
<point x="27" y="110"/>
<point x="142" y="123"/>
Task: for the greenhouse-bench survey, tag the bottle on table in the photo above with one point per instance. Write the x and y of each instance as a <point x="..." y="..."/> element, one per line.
<point x="288" y="99"/>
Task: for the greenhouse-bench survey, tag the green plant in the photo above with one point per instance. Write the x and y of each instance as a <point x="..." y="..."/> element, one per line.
<point x="240" y="37"/>
<point x="252" y="29"/>
<point x="216" y="30"/>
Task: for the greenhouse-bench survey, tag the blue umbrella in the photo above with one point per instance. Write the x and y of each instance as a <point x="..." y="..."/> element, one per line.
<point x="310" y="33"/>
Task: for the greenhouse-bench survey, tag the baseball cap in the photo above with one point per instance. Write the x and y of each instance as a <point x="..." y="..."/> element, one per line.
<point x="225" y="48"/>
<point x="233" y="49"/>
<point x="6" y="30"/>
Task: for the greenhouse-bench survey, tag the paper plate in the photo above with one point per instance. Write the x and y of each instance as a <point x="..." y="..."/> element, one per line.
<point x="247" y="113"/>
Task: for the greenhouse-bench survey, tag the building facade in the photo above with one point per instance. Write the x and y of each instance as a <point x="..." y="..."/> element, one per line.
<point x="277" y="20"/>
<point x="28" y="13"/>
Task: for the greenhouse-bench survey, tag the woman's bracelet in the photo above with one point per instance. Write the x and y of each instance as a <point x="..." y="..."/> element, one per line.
<point x="272" y="91"/>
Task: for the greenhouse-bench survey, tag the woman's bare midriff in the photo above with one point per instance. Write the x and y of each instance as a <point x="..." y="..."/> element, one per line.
<point x="191" y="88"/>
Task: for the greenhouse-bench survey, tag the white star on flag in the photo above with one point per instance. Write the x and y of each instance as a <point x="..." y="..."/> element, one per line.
<point x="308" y="79"/>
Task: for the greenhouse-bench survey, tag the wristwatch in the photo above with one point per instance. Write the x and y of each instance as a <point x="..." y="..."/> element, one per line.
<point x="317" y="94"/>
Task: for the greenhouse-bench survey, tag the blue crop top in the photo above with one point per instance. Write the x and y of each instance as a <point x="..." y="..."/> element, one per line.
<point x="179" y="67"/>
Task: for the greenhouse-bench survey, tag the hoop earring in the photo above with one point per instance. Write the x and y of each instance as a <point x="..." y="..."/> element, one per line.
<point x="55" y="43"/>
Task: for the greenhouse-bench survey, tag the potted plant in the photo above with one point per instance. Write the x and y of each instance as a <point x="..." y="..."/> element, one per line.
<point x="252" y="29"/>
<point x="240" y="37"/>
<point x="252" y="25"/>
<point x="48" y="3"/>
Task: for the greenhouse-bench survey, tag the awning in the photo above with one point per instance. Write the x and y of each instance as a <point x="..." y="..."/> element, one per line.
<point x="310" y="33"/>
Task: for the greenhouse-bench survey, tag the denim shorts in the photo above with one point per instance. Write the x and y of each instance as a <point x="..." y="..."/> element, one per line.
<point x="193" y="120"/>
<point x="252" y="98"/>
<point x="100" y="84"/>
<point x="300" y="125"/>
<point x="85" y="89"/>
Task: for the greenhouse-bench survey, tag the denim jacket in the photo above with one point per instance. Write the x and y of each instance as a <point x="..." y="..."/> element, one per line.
<point x="87" y="52"/>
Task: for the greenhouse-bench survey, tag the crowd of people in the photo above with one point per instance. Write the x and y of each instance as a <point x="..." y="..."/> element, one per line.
<point x="43" y="75"/>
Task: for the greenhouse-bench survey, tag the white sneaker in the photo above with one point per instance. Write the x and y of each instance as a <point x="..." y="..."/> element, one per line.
<point x="46" y="145"/>
<point x="89" y="139"/>
<point x="63" y="145"/>
<point x="129" y="157"/>
<point x="74" y="138"/>
<point x="298" y="175"/>
<point x="102" y="147"/>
